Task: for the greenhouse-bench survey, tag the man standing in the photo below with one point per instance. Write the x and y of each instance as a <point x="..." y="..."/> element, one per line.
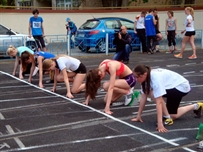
<point x="150" y="23"/>
<point x="37" y="28"/>
<point x="123" y="49"/>
<point x="158" y="33"/>
<point x="71" y="30"/>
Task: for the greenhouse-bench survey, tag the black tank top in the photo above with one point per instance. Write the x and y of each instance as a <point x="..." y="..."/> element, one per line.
<point x="157" y="23"/>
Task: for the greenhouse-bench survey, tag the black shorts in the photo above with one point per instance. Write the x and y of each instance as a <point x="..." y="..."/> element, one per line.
<point x="39" y="40"/>
<point x="190" y="33"/>
<point x="157" y="32"/>
<point x="173" y="99"/>
<point x="81" y="69"/>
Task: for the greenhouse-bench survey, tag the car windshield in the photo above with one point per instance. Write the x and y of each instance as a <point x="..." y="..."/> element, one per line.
<point x="90" y="24"/>
<point x="129" y="25"/>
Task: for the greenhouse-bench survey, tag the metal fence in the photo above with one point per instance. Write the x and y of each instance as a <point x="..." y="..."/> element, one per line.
<point x="63" y="44"/>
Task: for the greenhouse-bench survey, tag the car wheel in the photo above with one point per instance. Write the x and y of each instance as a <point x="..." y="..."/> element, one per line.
<point x="84" y="48"/>
<point x="101" y="46"/>
<point x="32" y="45"/>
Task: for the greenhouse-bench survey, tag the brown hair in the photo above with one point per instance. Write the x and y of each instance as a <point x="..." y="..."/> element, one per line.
<point x="47" y="62"/>
<point x="171" y="12"/>
<point x="93" y="82"/>
<point x="191" y="11"/>
<point x="24" y="57"/>
<point x="140" y="70"/>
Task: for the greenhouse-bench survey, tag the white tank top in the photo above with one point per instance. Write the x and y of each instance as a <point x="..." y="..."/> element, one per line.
<point x="140" y="22"/>
<point x="189" y="27"/>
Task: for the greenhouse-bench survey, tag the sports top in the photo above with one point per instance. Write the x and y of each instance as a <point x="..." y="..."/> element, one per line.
<point x="22" y="49"/>
<point x="118" y="72"/>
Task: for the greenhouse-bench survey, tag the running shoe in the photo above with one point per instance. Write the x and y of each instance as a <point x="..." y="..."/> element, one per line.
<point x="168" y="121"/>
<point x="128" y="97"/>
<point x="170" y="51"/>
<point x="178" y="56"/>
<point x="198" y="112"/>
<point x="192" y="57"/>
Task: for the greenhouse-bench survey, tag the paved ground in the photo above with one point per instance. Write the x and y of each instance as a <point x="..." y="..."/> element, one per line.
<point x="37" y="120"/>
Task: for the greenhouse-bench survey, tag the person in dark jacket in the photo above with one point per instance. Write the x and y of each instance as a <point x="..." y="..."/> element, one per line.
<point x="123" y="49"/>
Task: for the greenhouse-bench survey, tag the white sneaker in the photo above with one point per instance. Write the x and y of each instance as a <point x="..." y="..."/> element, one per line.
<point x="35" y="71"/>
<point x="128" y="97"/>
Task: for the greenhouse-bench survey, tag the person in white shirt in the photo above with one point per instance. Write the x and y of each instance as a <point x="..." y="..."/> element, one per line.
<point x="189" y="34"/>
<point x="139" y="29"/>
<point x="159" y="83"/>
<point x="67" y="68"/>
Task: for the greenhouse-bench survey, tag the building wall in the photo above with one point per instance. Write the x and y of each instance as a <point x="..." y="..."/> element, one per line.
<point x="54" y="23"/>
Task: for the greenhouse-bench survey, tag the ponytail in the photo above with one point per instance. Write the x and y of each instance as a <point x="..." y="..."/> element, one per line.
<point x="191" y="12"/>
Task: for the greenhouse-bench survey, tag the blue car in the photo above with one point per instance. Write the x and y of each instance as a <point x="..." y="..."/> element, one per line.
<point x="92" y="34"/>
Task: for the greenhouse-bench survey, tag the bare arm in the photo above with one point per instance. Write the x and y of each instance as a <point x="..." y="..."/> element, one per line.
<point x="112" y="70"/>
<point x="55" y="79"/>
<point x="158" y="23"/>
<point x="39" y="60"/>
<point x="87" y="100"/>
<point x="166" y="27"/>
<point x="31" y="71"/>
<point x="29" y="29"/>
<point x="16" y="65"/>
<point x="176" y="26"/>
<point x="135" y="25"/>
<point x="66" y="80"/>
<point x="154" y="21"/>
<point x="43" y="30"/>
<point x="159" y="101"/>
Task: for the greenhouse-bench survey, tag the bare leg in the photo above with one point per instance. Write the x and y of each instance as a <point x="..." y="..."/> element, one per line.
<point x="184" y="41"/>
<point x="77" y="84"/>
<point x="193" y="45"/>
<point x="182" y="111"/>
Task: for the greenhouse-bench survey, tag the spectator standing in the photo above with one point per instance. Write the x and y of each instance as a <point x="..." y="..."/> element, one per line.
<point x="158" y="33"/>
<point x="37" y="28"/>
<point x="171" y="28"/>
<point x="123" y="49"/>
<point x="189" y="34"/>
<point x="150" y="23"/>
<point x="71" y="30"/>
<point x="139" y="28"/>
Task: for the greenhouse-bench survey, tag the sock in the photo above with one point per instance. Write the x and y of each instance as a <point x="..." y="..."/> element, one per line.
<point x="167" y="117"/>
<point x="196" y="106"/>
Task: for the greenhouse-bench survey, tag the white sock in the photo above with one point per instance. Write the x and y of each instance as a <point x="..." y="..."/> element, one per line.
<point x="196" y="106"/>
<point x="167" y="117"/>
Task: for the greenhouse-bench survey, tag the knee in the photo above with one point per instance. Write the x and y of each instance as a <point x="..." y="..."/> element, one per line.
<point x="105" y="86"/>
<point x="73" y="90"/>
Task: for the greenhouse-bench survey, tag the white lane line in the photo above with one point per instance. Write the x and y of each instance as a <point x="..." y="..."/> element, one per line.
<point x="17" y="140"/>
<point x="1" y="116"/>
<point x="21" y="86"/>
<point x="172" y="65"/>
<point x="197" y="86"/>
<point x="188" y="72"/>
<point x="190" y="150"/>
<point x="154" y="67"/>
<point x="190" y="63"/>
<point x="34" y="98"/>
<point x="152" y="145"/>
<point x="100" y="112"/>
<point x="201" y="70"/>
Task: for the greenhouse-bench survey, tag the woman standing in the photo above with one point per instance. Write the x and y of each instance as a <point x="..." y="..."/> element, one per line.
<point x="67" y="68"/>
<point x="171" y="30"/>
<point x="139" y="29"/>
<point x="115" y="88"/>
<point x="36" y="59"/>
<point x="153" y="82"/>
<point x="189" y="34"/>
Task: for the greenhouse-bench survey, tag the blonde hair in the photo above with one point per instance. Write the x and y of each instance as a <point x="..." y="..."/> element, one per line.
<point x="48" y="62"/>
<point x="191" y="11"/>
<point x="10" y="50"/>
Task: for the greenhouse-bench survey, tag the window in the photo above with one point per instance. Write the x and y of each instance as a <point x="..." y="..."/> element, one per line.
<point x="90" y="24"/>
<point x="112" y="24"/>
<point x="64" y="4"/>
<point x="189" y="1"/>
<point x="129" y="25"/>
<point x="5" y="31"/>
<point x="25" y="4"/>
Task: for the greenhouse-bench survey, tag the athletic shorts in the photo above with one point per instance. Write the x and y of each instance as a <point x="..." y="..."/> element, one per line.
<point x="130" y="79"/>
<point x="81" y="69"/>
<point x="157" y="32"/>
<point x="189" y="33"/>
<point x="173" y="99"/>
<point x="40" y="40"/>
